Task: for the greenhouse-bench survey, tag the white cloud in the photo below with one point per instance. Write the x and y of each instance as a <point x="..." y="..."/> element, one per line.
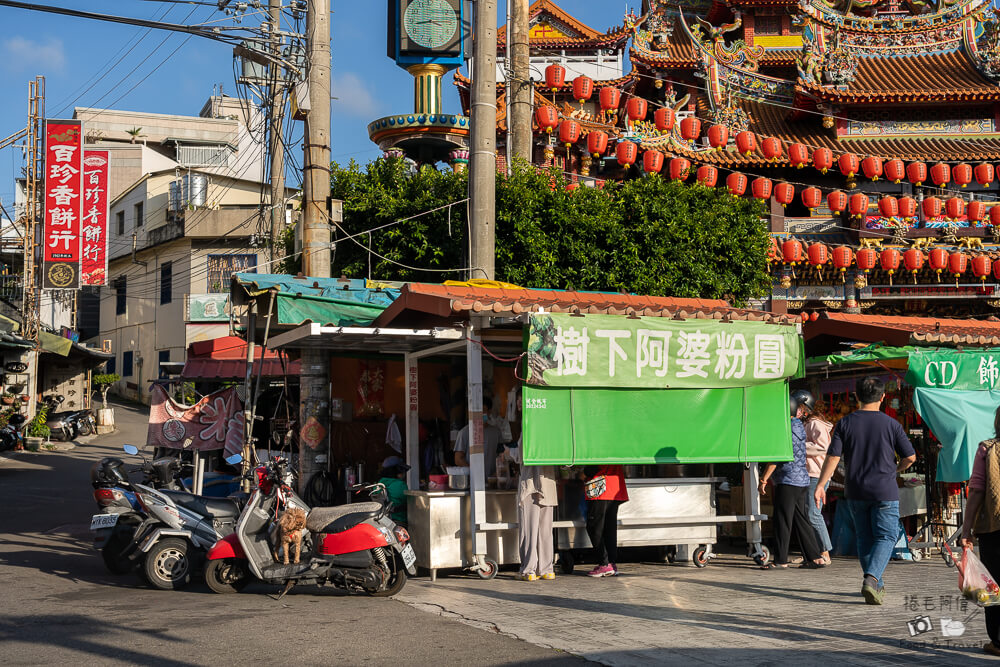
<point x="20" y="53"/>
<point x="353" y="98"/>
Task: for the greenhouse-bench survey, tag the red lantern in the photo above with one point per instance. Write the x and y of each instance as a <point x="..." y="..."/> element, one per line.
<point x="746" y="142"/>
<point x="652" y="161"/>
<point x="984" y="174"/>
<point x="940" y="174"/>
<point x="718" y="136"/>
<point x="823" y="159"/>
<point x="996" y="270"/>
<point x="954" y="208"/>
<point x="907" y="207"/>
<point x="962" y="173"/>
<point x="572" y="187"/>
<point x="771" y="148"/>
<point x="791" y="252"/>
<point x="932" y="207"/>
<point x="569" y="132"/>
<point x="872" y="166"/>
<point x="811" y="197"/>
<point x="664" y="119"/>
<point x="836" y="201"/>
<point x="707" y="175"/>
<point x="680" y="168"/>
<point x="547" y="118"/>
<point x="636" y="108"/>
<point x="895" y="170"/>
<point x="913" y="260"/>
<point x="843" y="257"/>
<point x="867" y="258"/>
<point x="995" y="216"/>
<point x="889" y="260"/>
<point x="938" y="259"/>
<point x="690" y="128"/>
<point x="958" y="263"/>
<point x="555" y="76"/>
<point x="737" y="184"/>
<point x="981" y="267"/>
<point x="888" y="207"/>
<point x="818" y="254"/>
<point x="610" y="97"/>
<point x="916" y="172"/>
<point x="798" y="155"/>
<point x="848" y="164"/>
<point x="784" y="193"/>
<point x="761" y="188"/>
<point x="975" y="211"/>
<point x="626" y="153"/>
<point x="859" y="204"/>
<point x="583" y="88"/>
<point x="597" y="143"/>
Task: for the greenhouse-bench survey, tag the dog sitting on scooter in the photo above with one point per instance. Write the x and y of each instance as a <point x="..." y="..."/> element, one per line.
<point x="290" y="527"/>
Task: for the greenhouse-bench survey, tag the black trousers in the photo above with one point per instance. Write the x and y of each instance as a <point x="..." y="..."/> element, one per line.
<point x="602" y="528"/>
<point x="989" y="553"/>
<point x="791" y="515"/>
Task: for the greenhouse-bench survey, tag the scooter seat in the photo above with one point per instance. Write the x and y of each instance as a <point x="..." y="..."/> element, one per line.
<point x="340" y="518"/>
<point x="217" y="508"/>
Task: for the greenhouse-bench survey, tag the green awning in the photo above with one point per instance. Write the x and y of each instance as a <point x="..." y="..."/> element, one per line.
<point x="296" y="309"/>
<point x="872" y="353"/>
<point x="55" y="344"/>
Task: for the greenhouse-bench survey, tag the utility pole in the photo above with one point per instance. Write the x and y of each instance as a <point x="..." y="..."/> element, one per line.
<point x="277" y="144"/>
<point x="519" y="61"/>
<point x="482" y="160"/>
<point x="33" y="209"/>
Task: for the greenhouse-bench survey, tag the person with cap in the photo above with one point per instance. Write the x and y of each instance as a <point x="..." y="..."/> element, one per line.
<point x="392" y="475"/>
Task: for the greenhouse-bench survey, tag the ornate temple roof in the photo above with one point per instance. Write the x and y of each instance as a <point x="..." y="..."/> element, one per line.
<point x="553" y="28"/>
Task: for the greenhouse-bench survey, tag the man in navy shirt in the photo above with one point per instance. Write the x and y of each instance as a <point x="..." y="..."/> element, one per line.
<point x="870" y="442"/>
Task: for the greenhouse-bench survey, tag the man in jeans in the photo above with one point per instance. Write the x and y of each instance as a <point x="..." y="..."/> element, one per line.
<point x="870" y="441"/>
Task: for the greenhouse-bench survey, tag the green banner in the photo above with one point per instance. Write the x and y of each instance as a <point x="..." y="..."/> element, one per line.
<point x="208" y="308"/>
<point x="658" y="353"/>
<point x="965" y="370"/>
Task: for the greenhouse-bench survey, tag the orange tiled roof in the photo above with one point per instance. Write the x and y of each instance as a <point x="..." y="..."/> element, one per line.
<point x="589" y="36"/>
<point x="906" y="330"/>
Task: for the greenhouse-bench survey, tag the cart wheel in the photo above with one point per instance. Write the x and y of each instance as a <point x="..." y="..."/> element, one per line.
<point x="764" y="557"/>
<point x="948" y="560"/>
<point x="917" y="555"/>
<point x="671" y="554"/>
<point x="700" y="557"/>
<point x="566" y="562"/>
<point x="490" y="570"/>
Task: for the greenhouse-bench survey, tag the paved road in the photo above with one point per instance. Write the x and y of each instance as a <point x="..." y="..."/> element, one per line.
<point x="61" y="606"/>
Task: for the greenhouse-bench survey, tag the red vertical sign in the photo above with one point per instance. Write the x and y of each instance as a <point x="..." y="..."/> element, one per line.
<point x="94" y="223"/>
<point x="63" y="202"/>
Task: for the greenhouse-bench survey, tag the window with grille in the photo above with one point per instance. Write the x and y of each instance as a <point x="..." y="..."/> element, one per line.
<point x="767" y="25"/>
<point x="222" y="267"/>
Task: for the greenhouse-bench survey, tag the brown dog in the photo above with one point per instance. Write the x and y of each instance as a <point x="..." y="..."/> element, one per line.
<point x="290" y="527"/>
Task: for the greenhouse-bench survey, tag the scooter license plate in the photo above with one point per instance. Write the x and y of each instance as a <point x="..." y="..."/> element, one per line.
<point x="409" y="556"/>
<point x="103" y="521"/>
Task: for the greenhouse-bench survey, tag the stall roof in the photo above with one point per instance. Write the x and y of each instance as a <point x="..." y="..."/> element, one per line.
<point x="367" y="339"/>
<point x="226" y="359"/>
<point x="346" y="289"/>
<point x="901" y="331"/>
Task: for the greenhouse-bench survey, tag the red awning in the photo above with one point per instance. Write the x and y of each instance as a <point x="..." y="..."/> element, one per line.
<point x="225" y="359"/>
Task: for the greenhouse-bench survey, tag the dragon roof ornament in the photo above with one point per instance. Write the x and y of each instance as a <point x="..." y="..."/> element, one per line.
<point x="837" y="14"/>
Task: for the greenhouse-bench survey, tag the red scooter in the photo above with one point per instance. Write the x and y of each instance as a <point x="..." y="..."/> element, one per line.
<point x="356" y="547"/>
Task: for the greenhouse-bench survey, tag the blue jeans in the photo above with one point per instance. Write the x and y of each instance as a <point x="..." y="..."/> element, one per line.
<point x="816" y="517"/>
<point x="876" y="523"/>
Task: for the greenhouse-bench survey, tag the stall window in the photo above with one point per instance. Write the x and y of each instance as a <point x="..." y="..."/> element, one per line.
<point x="120" y="295"/>
<point x="163" y="358"/>
<point x="222" y="267"/>
<point x="127" y="364"/>
<point x="166" y="283"/>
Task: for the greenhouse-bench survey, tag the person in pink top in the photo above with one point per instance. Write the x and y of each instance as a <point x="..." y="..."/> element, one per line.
<point x="818" y="435"/>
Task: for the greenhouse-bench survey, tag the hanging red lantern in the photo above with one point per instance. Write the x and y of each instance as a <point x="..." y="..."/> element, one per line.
<point x="843" y="257"/>
<point x="791" y="252"/>
<point x="913" y="260"/>
<point x="962" y="173"/>
<point x="888" y="207"/>
<point x="981" y="267"/>
<point x="907" y="207"/>
<point x="954" y="208"/>
<point x="940" y="174"/>
<point x="975" y="211"/>
<point x="707" y="175"/>
<point x="798" y="155"/>
<point x="652" y="161"/>
<point x="996" y="270"/>
<point x="985" y="173"/>
<point x="812" y="198"/>
<point x="583" y="88"/>
<point x="889" y="260"/>
<point x="772" y="148"/>
<point x="938" y="260"/>
<point x="746" y="142"/>
<point x="547" y="118"/>
<point x="636" y="108"/>
<point x="867" y="259"/>
<point x="626" y="153"/>
<point x="848" y="164"/>
<point x="958" y="263"/>
<point x="610" y="97"/>
<point x="818" y="254"/>
<point x="995" y="216"/>
<point x="895" y="170"/>
<point x="932" y="207"/>
<point x="690" y="128"/>
<point x="823" y="159"/>
<point x="680" y="168"/>
<point x="597" y="143"/>
<point x="664" y="119"/>
<point x="872" y="166"/>
<point x="737" y="184"/>
<point x="836" y="201"/>
<point x="718" y="136"/>
<point x="859" y="204"/>
<point x="569" y="132"/>
<point x="555" y="76"/>
<point x="916" y="172"/>
<point x="784" y="193"/>
<point x="761" y="188"/>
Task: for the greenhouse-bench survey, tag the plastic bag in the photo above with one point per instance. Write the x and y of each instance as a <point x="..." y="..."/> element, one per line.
<point x="975" y="581"/>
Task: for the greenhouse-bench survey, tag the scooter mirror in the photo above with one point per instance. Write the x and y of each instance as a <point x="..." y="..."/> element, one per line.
<point x="234" y="459"/>
<point x="131" y="449"/>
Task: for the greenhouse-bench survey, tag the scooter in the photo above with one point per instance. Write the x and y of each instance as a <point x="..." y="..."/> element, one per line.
<point x="356" y="547"/>
<point x="11" y="435"/>
<point x="59" y="428"/>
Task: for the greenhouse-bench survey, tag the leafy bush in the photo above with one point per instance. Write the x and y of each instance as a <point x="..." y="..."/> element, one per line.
<point x="37" y="428"/>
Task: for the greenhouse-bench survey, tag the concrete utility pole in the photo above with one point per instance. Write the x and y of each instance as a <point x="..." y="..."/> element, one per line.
<point x="519" y="62"/>
<point x="482" y="160"/>
<point x="277" y="144"/>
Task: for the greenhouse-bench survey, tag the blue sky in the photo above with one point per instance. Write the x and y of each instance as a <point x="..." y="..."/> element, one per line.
<point x="79" y="59"/>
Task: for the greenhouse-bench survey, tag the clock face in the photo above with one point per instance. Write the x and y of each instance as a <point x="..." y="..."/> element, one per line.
<point x="430" y="23"/>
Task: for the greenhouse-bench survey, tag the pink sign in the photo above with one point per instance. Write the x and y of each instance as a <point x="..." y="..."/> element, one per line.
<point x="94" y="225"/>
<point x="214" y="422"/>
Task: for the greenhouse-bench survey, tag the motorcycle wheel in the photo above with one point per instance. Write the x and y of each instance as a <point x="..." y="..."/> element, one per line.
<point x="85" y="428"/>
<point x="395" y="584"/>
<point x="168" y="564"/>
<point x="226" y="575"/>
<point x="112" y="553"/>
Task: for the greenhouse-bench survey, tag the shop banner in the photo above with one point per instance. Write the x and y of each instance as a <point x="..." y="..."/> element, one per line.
<point x="208" y="308"/>
<point x="63" y="203"/>
<point x="214" y="422"/>
<point x="951" y="369"/>
<point x="658" y="353"/>
<point x="94" y="224"/>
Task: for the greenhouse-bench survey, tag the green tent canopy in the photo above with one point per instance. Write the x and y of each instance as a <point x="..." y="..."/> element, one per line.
<point x="298" y="308"/>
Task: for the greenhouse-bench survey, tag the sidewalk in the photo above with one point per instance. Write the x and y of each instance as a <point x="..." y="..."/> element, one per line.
<point x="726" y="614"/>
